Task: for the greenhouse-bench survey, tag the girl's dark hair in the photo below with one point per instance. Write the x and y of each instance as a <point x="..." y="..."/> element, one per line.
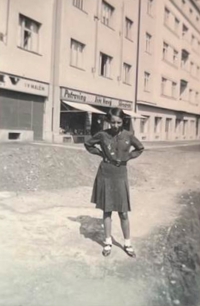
<point x="118" y="112"/>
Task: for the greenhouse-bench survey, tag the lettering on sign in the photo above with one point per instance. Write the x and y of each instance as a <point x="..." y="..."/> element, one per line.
<point x="36" y="87"/>
<point x="23" y="85"/>
<point x="103" y="101"/>
<point x="79" y="96"/>
<point x="124" y="105"/>
<point x="74" y="96"/>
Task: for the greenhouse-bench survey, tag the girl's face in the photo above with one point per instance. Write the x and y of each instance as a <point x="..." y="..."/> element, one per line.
<point x="116" y="123"/>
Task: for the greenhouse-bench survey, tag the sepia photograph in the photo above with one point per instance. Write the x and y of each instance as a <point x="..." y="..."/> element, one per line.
<point x="99" y="152"/>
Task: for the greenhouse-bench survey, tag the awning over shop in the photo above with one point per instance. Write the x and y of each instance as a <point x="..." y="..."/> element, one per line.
<point x="132" y="114"/>
<point x="83" y="107"/>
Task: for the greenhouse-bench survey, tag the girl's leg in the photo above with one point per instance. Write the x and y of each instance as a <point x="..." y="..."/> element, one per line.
<point x="107" y="230"/>
<point x="125" y="225"/>
<point x="107" y="224"/>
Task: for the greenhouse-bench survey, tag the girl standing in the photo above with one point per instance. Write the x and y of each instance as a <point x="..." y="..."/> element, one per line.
<point x="111" y="189"/>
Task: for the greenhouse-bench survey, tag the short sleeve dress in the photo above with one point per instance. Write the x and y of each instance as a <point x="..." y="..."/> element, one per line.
<point x="111" y="188"/>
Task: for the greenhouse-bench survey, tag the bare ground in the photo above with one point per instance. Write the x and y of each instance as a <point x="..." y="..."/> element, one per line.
<point x="52" y="236"/>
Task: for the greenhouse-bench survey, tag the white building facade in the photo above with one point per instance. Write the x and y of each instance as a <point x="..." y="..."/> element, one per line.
<point x="25" y="64"/>
<point x="169" y="70"/>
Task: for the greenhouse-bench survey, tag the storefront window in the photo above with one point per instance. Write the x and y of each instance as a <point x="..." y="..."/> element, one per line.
<point x="72" y="121"/>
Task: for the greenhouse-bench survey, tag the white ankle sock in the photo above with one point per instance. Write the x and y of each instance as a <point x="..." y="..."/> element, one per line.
<point x="127" y="242"/>
<point x="108" y="240"/>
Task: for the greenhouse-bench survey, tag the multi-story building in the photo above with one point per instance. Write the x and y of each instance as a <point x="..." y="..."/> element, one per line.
<point x="96" y="51"/>
<point x="169" y="70"/>
<point x="25" y="68"/>
<point x="59" y="59"/>
<point x="65" y="63"/>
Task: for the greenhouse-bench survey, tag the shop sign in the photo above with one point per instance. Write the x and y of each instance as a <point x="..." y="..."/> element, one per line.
<point x="79" y="96"/>
<point x="23" y="85"/>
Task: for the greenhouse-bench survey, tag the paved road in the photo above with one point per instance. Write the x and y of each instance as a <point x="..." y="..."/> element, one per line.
<point x="51" y="243"/>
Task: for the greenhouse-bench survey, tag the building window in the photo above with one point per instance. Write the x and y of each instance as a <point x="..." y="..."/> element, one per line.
<point x="165" y="50"/>
<point x="176" y="25"/>
<point x="191" y="96"/>
<point x="129" y="28"/>
<point x="163" y="86"/>
<point x="184" y="59"/>
<point x="183" y="89"/>
<point x="77" y="54"/>
<point x="174" y="89"/>
<point x="192" y="40"/>
<point x="197" y="98"/>
<point x="105" y="65"/>
<point x="191" y="68"/>
<point x="175" y="57"/>
<point x="78" y="4"/>
<point x="184" y="31"/>
<point x="28" y="34"/>
<point x="157" y="124"/>
<point x="107" y="14"/>
<point x="197" y="71"/>
<point x="148" y="42"/>
<point x="147" y="81"/>
<point x="166" y="16"/>
<point x="150" y="7"/>
<point x="144" y="125"/>
<point x="126" y="73"/>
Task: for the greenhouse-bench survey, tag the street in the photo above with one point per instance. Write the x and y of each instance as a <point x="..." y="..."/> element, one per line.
<point x="51" y="235"/>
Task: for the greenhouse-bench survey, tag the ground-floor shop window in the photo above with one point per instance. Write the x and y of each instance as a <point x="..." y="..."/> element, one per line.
<point x="73" y="123"/>
<point x="177" y="125"/>
<point x="168" y="124"/>
<point x="157" y="124"/>
<point x="144" y="125"/>
<point x="185" y="123"/>
<point x="192" y="127"/>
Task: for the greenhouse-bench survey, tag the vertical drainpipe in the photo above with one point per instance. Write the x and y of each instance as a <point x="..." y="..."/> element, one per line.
<point x="53" y="58"/>
<point x="122" y="43"/>
<point x="96" y="18"/>
<point x="137" y="54"/>
<point x="7" y="22"/>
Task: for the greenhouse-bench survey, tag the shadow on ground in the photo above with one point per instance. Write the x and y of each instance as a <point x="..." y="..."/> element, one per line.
<point x="92" y="228"/>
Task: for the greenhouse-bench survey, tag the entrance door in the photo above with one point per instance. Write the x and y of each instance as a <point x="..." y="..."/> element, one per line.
<point x="168" y="128"/>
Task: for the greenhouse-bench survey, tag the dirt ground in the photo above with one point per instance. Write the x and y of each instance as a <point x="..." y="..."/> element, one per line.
<point x="51" y="235"/>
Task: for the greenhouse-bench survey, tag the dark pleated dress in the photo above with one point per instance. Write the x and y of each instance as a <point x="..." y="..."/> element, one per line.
<point x="111" y="189"/>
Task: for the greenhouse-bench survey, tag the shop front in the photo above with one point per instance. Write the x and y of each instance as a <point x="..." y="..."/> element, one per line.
<point x="21" y="108"/>
<point x="84" y="114"/>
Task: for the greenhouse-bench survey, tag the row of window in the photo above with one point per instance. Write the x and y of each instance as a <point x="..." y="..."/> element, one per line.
<point x="171" y="21"/>
<point x="107" y="17"/>
<point x="188" y="9"/>
<point x="170" y="54"/>
<point x="181" y="126"/>
<point x="169" y="88"/>
<point x="188" y="65"/>
<point x="105" y="62"/>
